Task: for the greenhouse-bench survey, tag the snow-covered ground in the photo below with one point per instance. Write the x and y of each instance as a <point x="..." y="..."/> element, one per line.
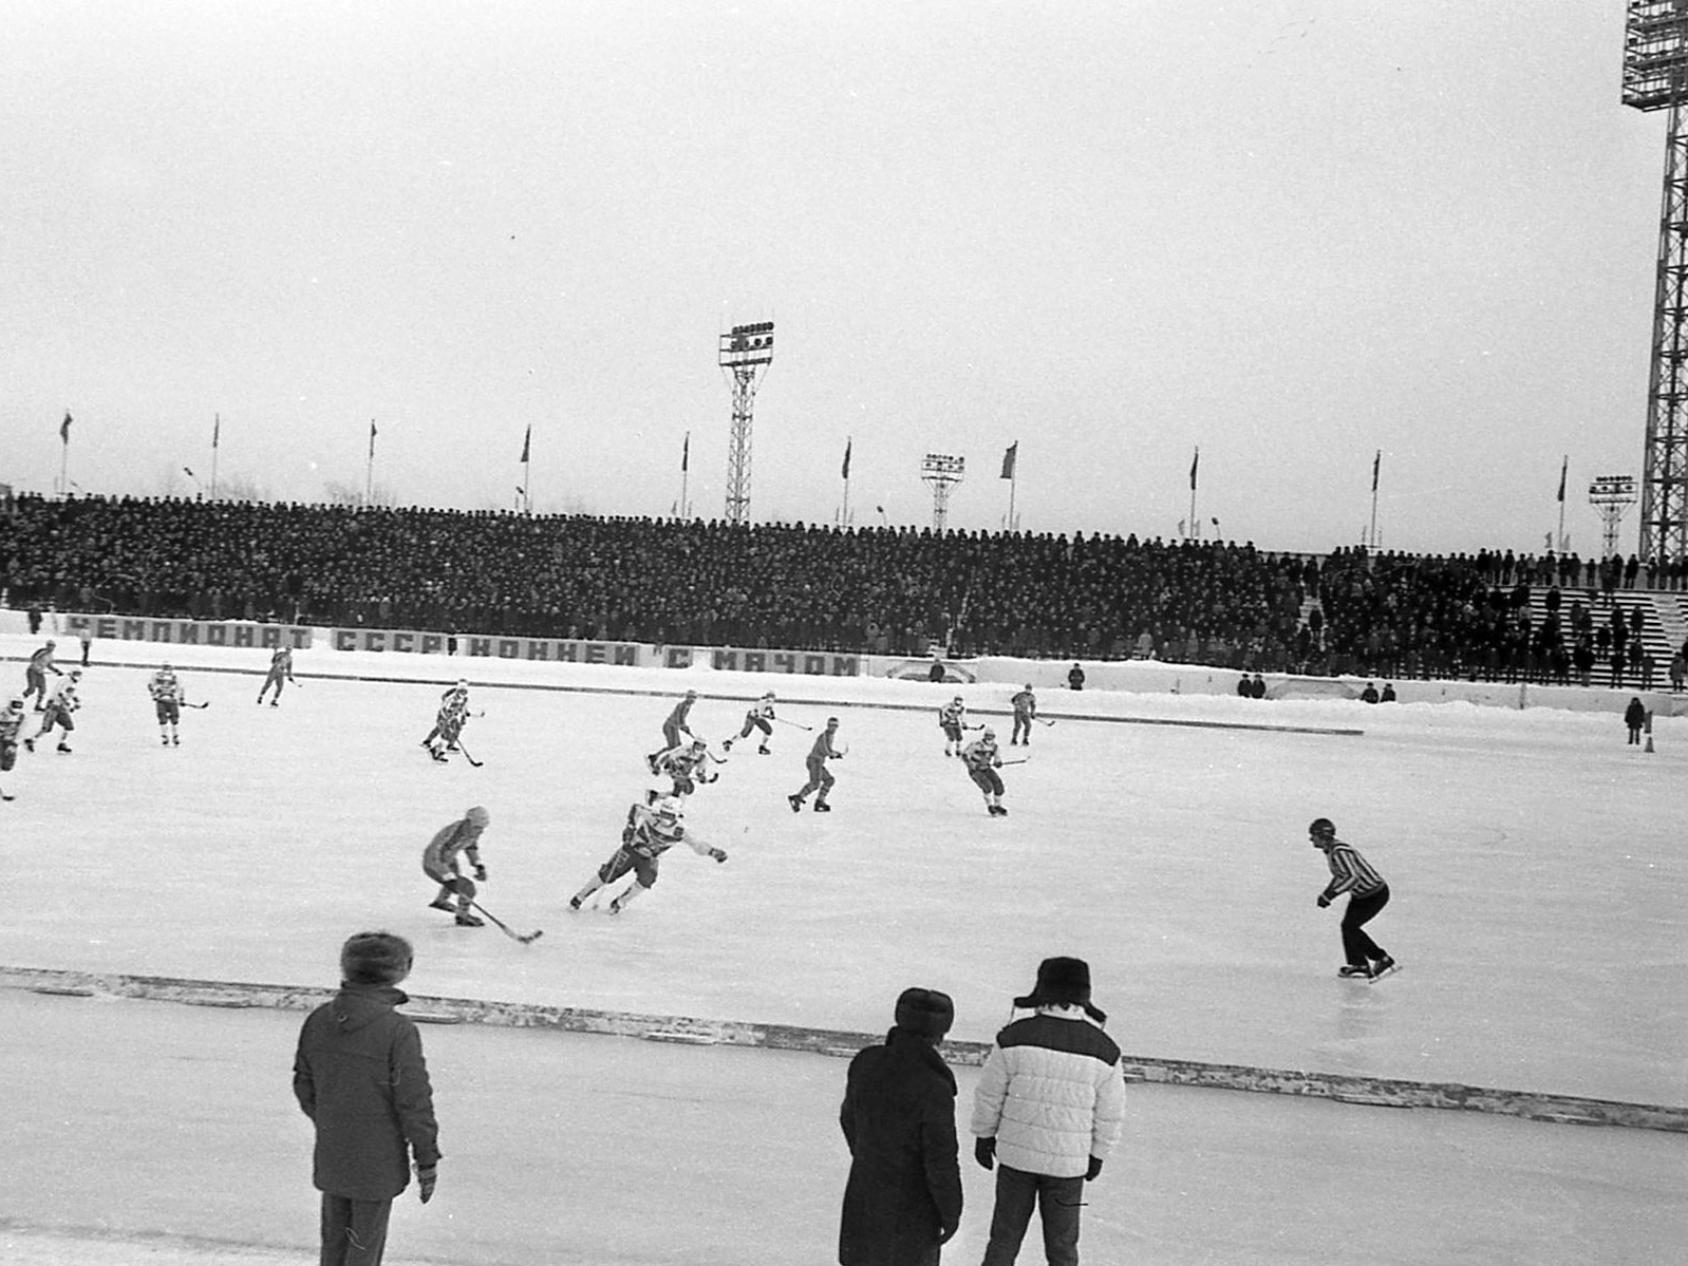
<point x="1537" y="865"/>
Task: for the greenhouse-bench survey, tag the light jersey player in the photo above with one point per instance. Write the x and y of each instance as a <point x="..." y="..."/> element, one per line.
<point x="442" y="862"/>
<point x="11" y="721"/>
<point x="650" y="831"/>
<point x="166" y="692"/>
<point x="281" y="670"/>
<point x="760" y="717"/>
<point x="983" y="760"/>
<point x="820" y="778"/>
<point x="35" y="675"/>
<point x="61" y="702"/>
<point x="952" y="720"/>
<point x="686" y="767"/>
<point x="449" y="721"/>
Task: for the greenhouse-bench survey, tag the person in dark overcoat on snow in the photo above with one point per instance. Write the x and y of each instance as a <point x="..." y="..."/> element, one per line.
<point x="1635" y="716"/>
<point x="903" y="1197"/>
<point x="360" y="1077"/>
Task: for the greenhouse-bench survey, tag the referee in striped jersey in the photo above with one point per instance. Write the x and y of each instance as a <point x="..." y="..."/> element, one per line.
<point x="1352" y="874"/>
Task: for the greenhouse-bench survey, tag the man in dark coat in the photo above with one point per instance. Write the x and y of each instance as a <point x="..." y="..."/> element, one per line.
<point x="903" y="1198"/>
<point x="360" y="1077"/>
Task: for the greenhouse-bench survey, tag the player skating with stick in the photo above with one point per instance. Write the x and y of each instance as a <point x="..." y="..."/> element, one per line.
<point x="35" y="674"/>
<point x="1352" y="874"/>
<point x="649" y="832"/>
<point x="61" y="702"/>
<point x="820" y="778"/>
<point x="281" y="670"/>
<point x="167" y="701"/>
<point x="672" y="729"/>
<point x="686" y="767"/>
<point x="760" y="717"/>
<point x="441" y="862"/>
<point x="952" y="720"/>
<point x="983" y="760"/>
<point x="454" y="709"/>
<point x="1025" y="712"/>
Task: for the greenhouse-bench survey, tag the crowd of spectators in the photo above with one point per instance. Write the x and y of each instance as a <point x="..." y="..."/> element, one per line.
<point x="884" y="590"/>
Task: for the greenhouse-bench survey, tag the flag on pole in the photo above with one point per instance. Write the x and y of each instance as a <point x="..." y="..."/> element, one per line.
<point x="847" y="443"/>
<point x="372" y="438"/>
<point x="1563" y="467"/>
<point x="1375" y="463"/>
<point x="686" y="453"/>
<point x="527" y="440"/>
<point x="1008" y="459"/>
<point x="216" y="428"/>
<point x="64" y="428"/>
<point x="1194" y="462"/>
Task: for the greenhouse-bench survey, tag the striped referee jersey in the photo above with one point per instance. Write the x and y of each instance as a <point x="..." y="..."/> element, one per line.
<point x="1350" y="872"/>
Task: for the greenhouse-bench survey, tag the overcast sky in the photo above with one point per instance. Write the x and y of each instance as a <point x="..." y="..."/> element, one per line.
<point x="1293" y="234"/>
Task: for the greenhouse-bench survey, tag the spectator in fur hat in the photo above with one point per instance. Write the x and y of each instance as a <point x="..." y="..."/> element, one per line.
<point x="903" y="1197"/>
<point x="367" y="1128"/>
<point x="1047" y="1112"/>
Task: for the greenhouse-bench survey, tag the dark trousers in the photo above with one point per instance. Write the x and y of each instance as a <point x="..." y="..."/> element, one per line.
<point x="1058" y="1200"/>
<point x="1357" y="947"/>
<point x="354" y="1232"/>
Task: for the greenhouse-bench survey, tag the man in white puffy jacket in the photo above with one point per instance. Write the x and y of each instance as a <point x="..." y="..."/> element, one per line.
<point x="1049" y="1106"/>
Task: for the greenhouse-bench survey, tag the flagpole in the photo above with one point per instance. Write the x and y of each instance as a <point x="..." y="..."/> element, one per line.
<point x="64" y="454"/>
<point x="1376" y="462"/>
<point x="686" y="477"/>
<point x="1564" y="466"/>
<point x="1195" y="525"/>
<point x="369" y="470"/>
<point x="216" y="435"/>
<point x="844" y="518"/>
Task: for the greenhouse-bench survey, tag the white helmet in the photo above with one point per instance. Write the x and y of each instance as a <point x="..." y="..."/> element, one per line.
<point x="462" y="683"/>
<point x="479" y="817"/>
<point x="699" y="744"/>
<point x="670" y="807"/>
<point x="75" y="674"/>
<point x="959" y="699"/>
<point x="16" y="705"/>
<point x="990" y="734"/>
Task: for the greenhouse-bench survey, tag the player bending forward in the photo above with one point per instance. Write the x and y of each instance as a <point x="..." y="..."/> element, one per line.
<point x="449" y="722"/>
<point x="760" y="717"/>
<point x="281" y="670"/>
<point x="1351" y="873"/>
<point x="650" y="831"/>
<point x="983" y="760"/>
<point x="820" y="778"/>
<point x="686" y="767"/>
<point x="166" y="692"/>
<point x="672" y="729"/>
<point x="441" y="862"/>
<point x="11" y="721"/>
<point x="61" y="702"/>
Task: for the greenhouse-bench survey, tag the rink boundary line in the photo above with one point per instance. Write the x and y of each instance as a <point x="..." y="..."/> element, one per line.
<point x="1338" y="1087"/>
<point x="1329" y="730"/>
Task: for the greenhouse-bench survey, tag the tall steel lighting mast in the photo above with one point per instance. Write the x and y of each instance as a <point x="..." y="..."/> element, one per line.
<point x="745" y="353"/>
<point x="943" y="472"/>
<point x="1655" y="77"/>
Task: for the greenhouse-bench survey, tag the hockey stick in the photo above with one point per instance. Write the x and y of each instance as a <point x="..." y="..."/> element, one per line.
<point x="465" y="754"/>
<point x="796" y="725"/>
<point x="503" y="927"/>
<point x="1019" y="761"/>
<point x="1041" y="721"/>
<point x="186" y="704"/>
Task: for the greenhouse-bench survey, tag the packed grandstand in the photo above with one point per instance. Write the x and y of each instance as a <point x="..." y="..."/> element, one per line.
<point x="900" y="591"/>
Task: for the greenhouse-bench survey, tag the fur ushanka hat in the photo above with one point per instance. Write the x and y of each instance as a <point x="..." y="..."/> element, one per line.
<point x="1063" y="982"/>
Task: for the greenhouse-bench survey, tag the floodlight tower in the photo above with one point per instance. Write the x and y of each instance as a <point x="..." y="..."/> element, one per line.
<point x="1611" y="496"/>
<point x="745" y="353"/>
<point x="1655" y="77"/>
<point x="943" y="473"/>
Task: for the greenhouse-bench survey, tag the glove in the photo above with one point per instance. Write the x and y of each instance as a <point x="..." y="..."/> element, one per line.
<point x="1095" y="1168"/>
<point x="480" y="872"/>
<point x="1323" y="901"/>
<point x="719" y="854"/>
<point x="425" y="1177"/>
<point x="984" y="1151"/>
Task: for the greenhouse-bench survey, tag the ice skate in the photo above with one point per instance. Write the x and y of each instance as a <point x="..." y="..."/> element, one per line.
<point x="442" y="903"/>
<point x="64" y="748"/>
<point x="796" y="803"/>
<point x="4" y="795"/>
<point x="1348" y="969"/>
<point x="574" y="903"/>
<point x="467" y="920"/>
<point x="174" y="741"/>
<point x="1385" y="966"/>
<point x="822" y="806"/>
<point x="29" y="744"/>
<point x="163" y="742"/>
<point x="762" y="751"/>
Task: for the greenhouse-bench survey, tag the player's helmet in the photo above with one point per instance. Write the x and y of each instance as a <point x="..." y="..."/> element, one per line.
<point x="75" y="674"/>
<point x="832" y="723"/>
<point x="669" y="811"/>
<point x="16" y="705"/>
<point x="462" y="684"/>
<point x="1028" y="685"/>
<point x="1321" y="827"/>
<point x="990" y="733"/>
<point x="51" y="643"/>
<point x="699" y="745"/>
<point x="959" y="699"/>
<point x="769" y="696"/>
<point x="165" y="668"/>
<point x="479" y="816"/>
<point x="691" y="694"/>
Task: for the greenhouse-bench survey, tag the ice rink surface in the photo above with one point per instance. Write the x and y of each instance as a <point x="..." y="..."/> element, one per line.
<point x="1537" y="866"/>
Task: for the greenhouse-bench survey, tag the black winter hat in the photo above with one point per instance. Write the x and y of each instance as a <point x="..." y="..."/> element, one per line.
<point x="925" y="1012"/>
<point x="1062" y="982"/>
<point x="375" y="958"/>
